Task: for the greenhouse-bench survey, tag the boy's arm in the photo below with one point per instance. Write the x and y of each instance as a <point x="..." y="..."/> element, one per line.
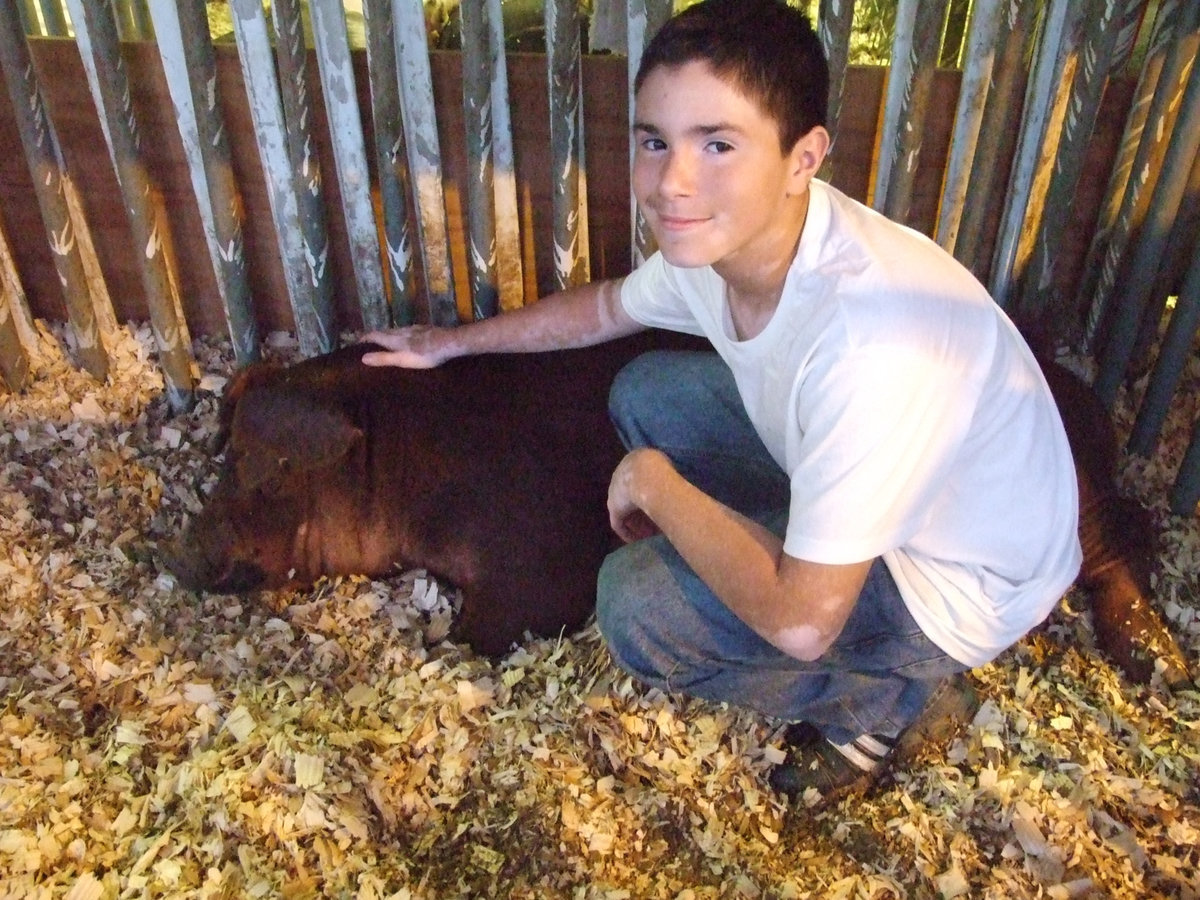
<point x="577" y="317"/>
<point x="796" y="605"/>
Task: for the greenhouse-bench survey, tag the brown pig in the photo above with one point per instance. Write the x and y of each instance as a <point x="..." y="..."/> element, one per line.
<point x="492" y="473"/>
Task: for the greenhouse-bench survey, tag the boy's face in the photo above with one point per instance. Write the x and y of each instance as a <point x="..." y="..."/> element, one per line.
<point x="709" y="174"/>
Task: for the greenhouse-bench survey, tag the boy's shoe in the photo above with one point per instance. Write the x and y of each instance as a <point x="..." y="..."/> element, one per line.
<point x="838" y="770"/>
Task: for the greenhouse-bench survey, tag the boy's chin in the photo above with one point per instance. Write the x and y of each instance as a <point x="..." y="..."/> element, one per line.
<point x="686" y="257"/>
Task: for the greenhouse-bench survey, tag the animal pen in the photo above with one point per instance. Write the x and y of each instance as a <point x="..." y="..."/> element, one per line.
<point x="284" y="180"/>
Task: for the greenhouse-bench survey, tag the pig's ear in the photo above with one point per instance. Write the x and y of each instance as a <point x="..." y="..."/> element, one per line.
<point x="279" y="432"/>
<point x="244" y="379"/>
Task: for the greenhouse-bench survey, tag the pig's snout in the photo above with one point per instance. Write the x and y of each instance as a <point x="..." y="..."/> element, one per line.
<point x="199" y="568"/>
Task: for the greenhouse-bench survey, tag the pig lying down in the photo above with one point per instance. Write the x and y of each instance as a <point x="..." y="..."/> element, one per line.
<point x="492" y="472"/>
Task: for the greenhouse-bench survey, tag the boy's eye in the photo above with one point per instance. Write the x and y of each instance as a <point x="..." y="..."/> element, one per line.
<point x="654" y="144"/>
<point x="719" y="146"/>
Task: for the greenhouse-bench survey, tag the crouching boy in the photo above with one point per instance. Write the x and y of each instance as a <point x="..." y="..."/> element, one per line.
<point x="866" y="490"/>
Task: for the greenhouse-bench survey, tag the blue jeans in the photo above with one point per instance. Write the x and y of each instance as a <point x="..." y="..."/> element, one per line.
<point x="663" y="624"/>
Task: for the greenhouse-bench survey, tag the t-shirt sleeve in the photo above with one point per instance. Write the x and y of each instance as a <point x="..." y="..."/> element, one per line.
<point x="880" y="430"/>
<point x="653" y="296"/>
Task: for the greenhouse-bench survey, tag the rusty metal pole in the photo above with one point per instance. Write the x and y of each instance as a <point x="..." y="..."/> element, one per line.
<point x="1138" y="276"/>
<point x="50" y="183"/>
<point x="908" y="103"/>
<point x="96" y="34"/>
<point x="291" y="56"/>
<point x="1174" y="48"/>
<point x="1102" y="24"/>
<point x="390" y="161"/>
<point x="481" y="190"/>
<point x="566" y="142"/>
<point x="191" y="69"/>
<point x="350" y="157"/>
<point x="644" y="17"/>
<point x="968" y="119"/>
<point x="834" y="21"/>
<point x="424" y="157"/>
<point x="14" y="360"/>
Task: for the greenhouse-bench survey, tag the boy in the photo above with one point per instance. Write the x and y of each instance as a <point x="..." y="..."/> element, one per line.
<point x="867" y="489"/>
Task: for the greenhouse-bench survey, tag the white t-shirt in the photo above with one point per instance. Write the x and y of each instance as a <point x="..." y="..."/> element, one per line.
<point x="910" y="415"/>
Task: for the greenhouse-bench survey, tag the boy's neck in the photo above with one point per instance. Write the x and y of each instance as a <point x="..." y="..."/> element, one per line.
<point x="753" y="287"/>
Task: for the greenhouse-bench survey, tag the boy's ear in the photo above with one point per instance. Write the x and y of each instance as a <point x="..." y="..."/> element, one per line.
<point x="807" y="155"/>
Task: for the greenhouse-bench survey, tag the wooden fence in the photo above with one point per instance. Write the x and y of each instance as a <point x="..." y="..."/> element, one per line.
<point x="286" y="182"/>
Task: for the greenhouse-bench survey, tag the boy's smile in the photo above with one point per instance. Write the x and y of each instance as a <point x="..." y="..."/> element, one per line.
<point x="712" y="180"/>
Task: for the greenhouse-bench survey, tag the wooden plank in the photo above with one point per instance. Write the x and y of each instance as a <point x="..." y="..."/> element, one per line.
<point x="481" y="191"/>
<point x="312" y="316"/>
<point x="350" y="156"/>
<point x="390" y="158"/>
<point x="190" y="68"/>
<point x="424" y="158"/>
<point x="566" y="142"/>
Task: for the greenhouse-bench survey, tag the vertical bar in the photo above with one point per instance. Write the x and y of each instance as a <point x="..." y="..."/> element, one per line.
<point x="190" y="67"/>
<point x="96" y="34"/>
<point x="910" y="116"/>
<point x="1173" y="355"/>
<point x="313" y="315"/>
<point x="1102" y="25"/>
<point x="897" y="82"/>
<point x="566" y="141"/>
<point x="1001" y="116"/>
<point x="53" y="18"/>
<point x="1137" y="278"/>
<point x="481" y="193"/>
<point x="14" y="361"/>
<point x="1186" y="492"/>
<point x="1163" y="80"/>
<point x="645" y="17"/>
<point x="982" y="45"/>
<point x="508" y="232"/>
<point x="835" y="21"/>
<point x="390" y="157"/>
<point x="50" y="183"/>
<point x="424" y="157"/>
<point x="350" y="157"/>
<point x="291" y="57"/>
<point x="1044" y="108"/>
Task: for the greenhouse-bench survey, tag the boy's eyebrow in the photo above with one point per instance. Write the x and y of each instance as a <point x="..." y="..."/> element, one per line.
<point x="702" y="129"/>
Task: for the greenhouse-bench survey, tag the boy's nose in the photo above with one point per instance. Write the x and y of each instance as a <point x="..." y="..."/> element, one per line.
<point x="678" y="175"/>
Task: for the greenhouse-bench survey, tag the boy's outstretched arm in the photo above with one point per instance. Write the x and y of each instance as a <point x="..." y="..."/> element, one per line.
<point x="577" y="317"/>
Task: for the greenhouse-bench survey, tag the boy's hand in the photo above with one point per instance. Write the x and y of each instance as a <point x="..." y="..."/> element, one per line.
<point x="415" y="347"/>
<point x="625" y="513"/>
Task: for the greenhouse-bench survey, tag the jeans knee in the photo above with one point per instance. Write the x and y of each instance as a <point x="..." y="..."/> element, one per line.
<point x="630" y="389"/>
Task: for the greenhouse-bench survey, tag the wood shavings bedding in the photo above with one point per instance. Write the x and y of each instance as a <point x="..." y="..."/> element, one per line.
<point x="327" y="744"/>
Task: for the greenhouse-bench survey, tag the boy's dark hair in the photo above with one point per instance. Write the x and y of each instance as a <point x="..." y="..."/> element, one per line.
<point x="765" y="47"/>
